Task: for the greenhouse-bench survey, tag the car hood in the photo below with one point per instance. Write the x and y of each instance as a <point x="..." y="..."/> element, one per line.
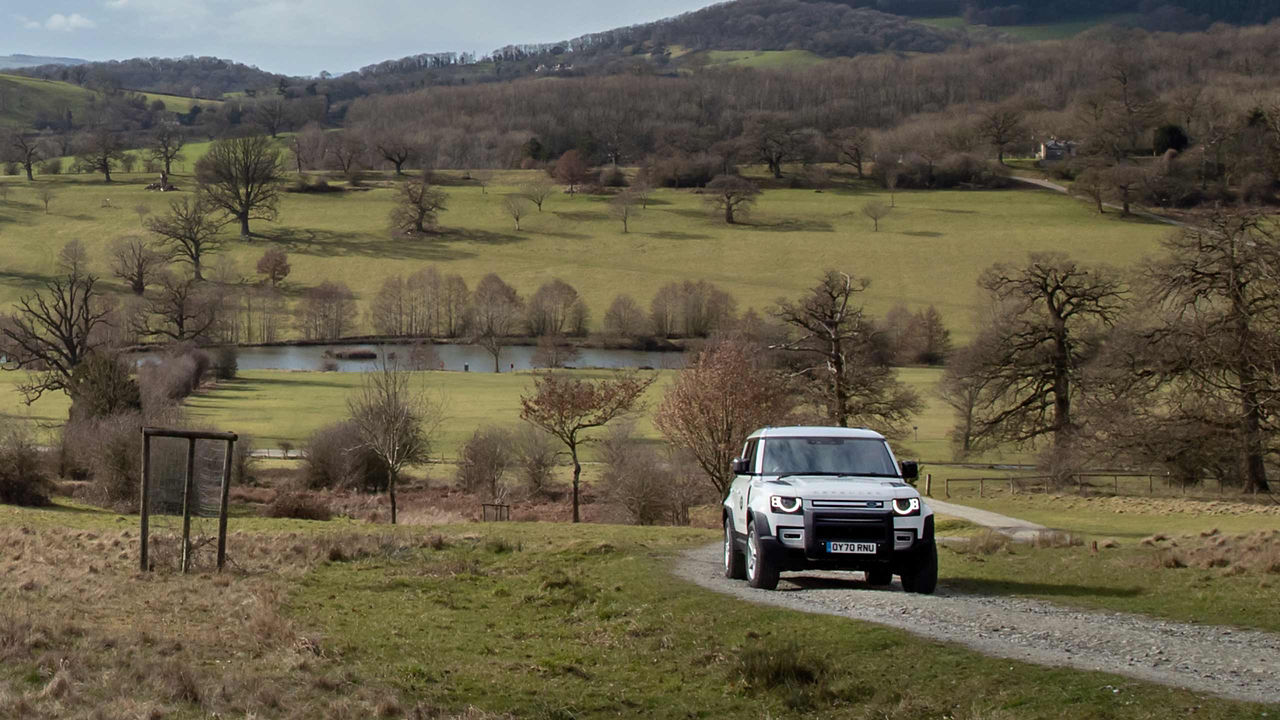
<point x="818" y="487"/>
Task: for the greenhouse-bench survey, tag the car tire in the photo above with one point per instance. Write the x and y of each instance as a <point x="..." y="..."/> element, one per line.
<point x="762" y="572"/>
<point x="880" y="576"/>
<point x="922" y="576"/>
<point x="735" y="565"/>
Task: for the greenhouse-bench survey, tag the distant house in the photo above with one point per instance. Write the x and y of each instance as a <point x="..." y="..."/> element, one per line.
<point x="1055" y="150"/>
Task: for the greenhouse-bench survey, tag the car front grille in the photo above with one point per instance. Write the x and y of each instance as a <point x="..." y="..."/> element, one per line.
<point x="852" y="526"/>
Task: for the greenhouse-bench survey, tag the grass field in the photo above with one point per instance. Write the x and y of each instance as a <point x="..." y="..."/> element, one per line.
<point x="23" y="98"/>
<point x="929" y="251"/>
<point x="763" y="59"/>
<point x="1033" y="33"/>
<point x="327" y="620"/>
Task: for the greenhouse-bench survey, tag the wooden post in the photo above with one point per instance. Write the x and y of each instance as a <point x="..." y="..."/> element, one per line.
<point x="187" y="492"/>
<point x="928" y="484"/>
<point x="1012" y="489"/>
<point x="143" y="511"/>
<point x="982" y="484"/>
<point x="1151" y="485"/>
<point x="222" y="508"/>
<point x="1117" y="479"/>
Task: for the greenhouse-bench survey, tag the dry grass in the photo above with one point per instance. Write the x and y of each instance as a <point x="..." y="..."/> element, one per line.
<point x="988" y="542"/>
<point x="84" y="634"/>
<point x="1056" y="539"/>
<point x="1245" y="553"/>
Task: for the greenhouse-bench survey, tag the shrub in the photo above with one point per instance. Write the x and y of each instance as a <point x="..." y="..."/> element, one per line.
<point x="634" y="477"/>
<point x="227" y="363"/>
<point x="785" y="665"/>
<point x="52" y="166"/>
<point x="335" y="459"/>
<point x="535" y="457"/>
<point x="108" y="449"/>
<point x="23" y="477"/>
<point x="12" y="168"/>
<point x="484" y="460"/>
<point x="172" y="376"/>
<point x="1258" y="189"/>
<point x="613" y="177"/>
<point x="298" y="505"/>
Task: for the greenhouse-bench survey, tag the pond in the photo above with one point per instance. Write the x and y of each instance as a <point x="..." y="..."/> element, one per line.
<point x="461" y="358"/>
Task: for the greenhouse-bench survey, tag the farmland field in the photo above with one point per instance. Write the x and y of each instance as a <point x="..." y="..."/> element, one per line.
<point x="930" y="250"/>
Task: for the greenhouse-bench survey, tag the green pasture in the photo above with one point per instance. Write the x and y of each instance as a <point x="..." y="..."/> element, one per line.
<point x="764" y="59"/>
<point x="23" y="98"/>
<point x="930" y="250"/>
<point x="1034" y="33"/>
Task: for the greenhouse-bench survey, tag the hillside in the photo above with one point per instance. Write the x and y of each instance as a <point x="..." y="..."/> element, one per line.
<point x="32" y="102"/>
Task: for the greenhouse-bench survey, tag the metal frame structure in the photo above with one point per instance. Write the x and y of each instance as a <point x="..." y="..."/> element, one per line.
<point x="188" y="490"/>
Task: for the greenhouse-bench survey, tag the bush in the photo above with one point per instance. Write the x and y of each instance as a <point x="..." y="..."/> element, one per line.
<point x="12" y="168"/>
<point x="227" y="363"/>
<point x="172" y="376"/>
<point x="634" y="477"/>
<point x="535" y="457"/>
<point x="1258" y="189"/>
<point x="298" y="505"/>
<point x="335" y="459"/>
<point x="614" y="177"/>
<point x="484" y="460"/>
<point x="52" y="166"/>
<point x="23" y="477"/>
<point x="964" y="169"/>
<point x="108" y="449"/>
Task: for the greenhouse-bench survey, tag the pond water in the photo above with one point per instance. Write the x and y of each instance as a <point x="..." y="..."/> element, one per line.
<point x="468" y="358"/>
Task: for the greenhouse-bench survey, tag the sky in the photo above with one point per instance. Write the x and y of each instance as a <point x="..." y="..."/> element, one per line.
<point x="304" y="37"/>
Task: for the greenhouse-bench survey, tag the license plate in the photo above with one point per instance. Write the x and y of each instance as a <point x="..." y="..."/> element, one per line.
<point x="855" y="548"/>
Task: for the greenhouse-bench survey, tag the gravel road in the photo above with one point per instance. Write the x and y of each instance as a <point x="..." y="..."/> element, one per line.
<point x="1228" y="662"/>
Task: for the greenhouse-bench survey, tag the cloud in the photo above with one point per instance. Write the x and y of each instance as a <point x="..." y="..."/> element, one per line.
<point x="116" y="4"/>
<point x="67" y="23"/>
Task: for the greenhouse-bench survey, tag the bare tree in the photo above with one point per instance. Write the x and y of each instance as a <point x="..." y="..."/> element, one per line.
<point x="482" y="178"/>
<point x="962" y="388"/>
<point x="26" y="150"/>
<point x="891" y="178"/>
<point x="274" y="264"/>
<point x="624" y="318"/>
<point x="515" y="207"/>
<point x="100" y="150"/>
<point x="136" y="262"/>
<point x="241" y="176"/>
<point x="1092" y="185"/>
<point x="714" y="403"/>
<point x="571" y="170"/>
<point x="1001" y="126"/>
<point x="550" y="310"/>
<point x="844" y="377"/>
<point x="183" y="310"/>
<point x="45" y="194"/>
<point x="272" y="115"/>
<point x="877" y="211"/>
<point x="1047" y="318"/>
<point x="166" y="145"/>
<point x="553" y="352"/>
<point x="73" y="258"/>
<point x="568" y="408"/>
<point x="396" y="422"/>
<point x="327" y="311"/>
<point x="1124" y="180"/>
<point x="418" y="207"/>
<point x="52" y="332"/>
<point x="537" y="191"/>
<point x="642" y="191"/>
<point x="732" y="196"/>
<point x="496" y="314"/>
<point x="774" y="139"/>
<point x="1220" y="289"/>
<point x="852" y="147"/>
<point x="347" y="152"/>
<point x="190" y="230"/>
<point x="622" y="207"/>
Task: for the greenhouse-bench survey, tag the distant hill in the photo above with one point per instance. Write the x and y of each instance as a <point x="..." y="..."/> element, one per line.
<point x="204" y="77"/>
<point x="33" y="103"/>
<point x="9" y="62"/>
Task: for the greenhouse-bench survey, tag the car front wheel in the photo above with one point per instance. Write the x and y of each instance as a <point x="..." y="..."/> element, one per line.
<point x="761" y="571"/>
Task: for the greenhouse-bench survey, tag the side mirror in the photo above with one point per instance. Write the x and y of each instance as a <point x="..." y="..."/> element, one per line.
<point x="910" y="471"/>
<point x="740" y="466"/>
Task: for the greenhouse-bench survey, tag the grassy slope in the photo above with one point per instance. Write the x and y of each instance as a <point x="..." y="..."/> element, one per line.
<point x="793" y="236"/>
<point x="548" y="621"/>
<point x="763" y="59"/>
<point x="24" y="97"/>
<point x="1033" y="33"/>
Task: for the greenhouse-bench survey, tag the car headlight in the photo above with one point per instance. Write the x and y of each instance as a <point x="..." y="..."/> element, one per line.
<point x="906" y="506"/>
<point x="789" y="505"/>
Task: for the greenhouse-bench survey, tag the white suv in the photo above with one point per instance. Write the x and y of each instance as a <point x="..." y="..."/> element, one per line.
<point x="827" y="498"/>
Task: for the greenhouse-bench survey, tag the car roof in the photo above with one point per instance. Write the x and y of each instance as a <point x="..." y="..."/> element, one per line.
<point x="817" y="431"/>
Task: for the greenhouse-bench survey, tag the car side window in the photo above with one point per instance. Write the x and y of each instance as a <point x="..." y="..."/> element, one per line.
<point x="750" y="454"/>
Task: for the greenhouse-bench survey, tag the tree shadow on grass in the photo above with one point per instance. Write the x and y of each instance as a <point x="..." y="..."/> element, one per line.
<point x="580" y="215"/>
<point x="291" y="381"/>
<point x="789" y="226"/>
<point x="978" y="586"/>
<point x="430" y="247"/>
<point x="24" y="279"/>
<point x="675" y="235"/>
<point x="560" y="234"/>
<point x="923" y="233"/>
<point x="690" y="213"/>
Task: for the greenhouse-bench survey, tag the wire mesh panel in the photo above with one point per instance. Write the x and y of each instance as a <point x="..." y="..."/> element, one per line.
<point x="185" y="478"/>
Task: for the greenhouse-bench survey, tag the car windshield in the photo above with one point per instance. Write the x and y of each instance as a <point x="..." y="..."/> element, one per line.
<point x="828" y="456"/>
